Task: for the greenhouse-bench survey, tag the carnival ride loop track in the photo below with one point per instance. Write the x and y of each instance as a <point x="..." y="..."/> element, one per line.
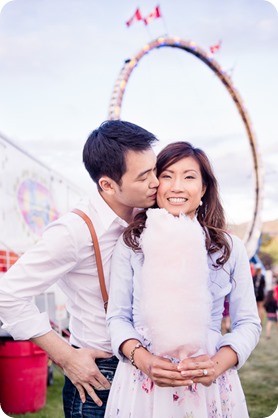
<point x="254" y="228"/>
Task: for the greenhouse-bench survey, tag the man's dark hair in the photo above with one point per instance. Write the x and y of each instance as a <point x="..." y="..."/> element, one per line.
<point x="105" y="149"/>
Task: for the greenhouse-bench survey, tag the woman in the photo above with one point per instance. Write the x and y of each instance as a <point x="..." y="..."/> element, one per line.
<point x="259" y="288"/>
<point x="199" y="379"/>
<point x="271" y="308"/>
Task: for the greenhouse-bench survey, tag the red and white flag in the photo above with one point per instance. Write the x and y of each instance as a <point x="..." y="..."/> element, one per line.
<point x="215" y="48"/>
<point x="135" y="18"/>
<point x="155" y="14"/>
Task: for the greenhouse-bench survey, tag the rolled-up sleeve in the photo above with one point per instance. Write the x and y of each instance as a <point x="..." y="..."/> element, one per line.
<point x="245" y="321"/>
<point x="119" y="313"/>
<point x="36" y="270"/>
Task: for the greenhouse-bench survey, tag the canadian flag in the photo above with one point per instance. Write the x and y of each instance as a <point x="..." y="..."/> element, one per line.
<point x="215" y="48"/>
<point x="135" y="18"/>
<point x="155" y="14"/>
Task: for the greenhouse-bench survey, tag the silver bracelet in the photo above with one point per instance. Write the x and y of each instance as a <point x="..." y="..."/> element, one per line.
<point x="131" y="357"/>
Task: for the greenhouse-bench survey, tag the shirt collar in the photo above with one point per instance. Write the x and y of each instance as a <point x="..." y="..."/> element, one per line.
<point x="105" y="213"/>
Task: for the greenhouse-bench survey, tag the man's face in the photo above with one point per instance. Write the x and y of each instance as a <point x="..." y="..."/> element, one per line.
<point x="139" y="183"/>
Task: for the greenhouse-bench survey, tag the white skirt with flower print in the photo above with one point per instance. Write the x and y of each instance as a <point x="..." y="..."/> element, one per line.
<point x="133" y="395"/>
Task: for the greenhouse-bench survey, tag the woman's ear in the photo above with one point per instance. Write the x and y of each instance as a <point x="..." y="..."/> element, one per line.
<point x="106" y="184"/>
<point x="204" y="190"/>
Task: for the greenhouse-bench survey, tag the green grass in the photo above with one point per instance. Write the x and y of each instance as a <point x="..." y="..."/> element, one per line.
<point x="259" y="377"/>
<point x="259" y="380"/>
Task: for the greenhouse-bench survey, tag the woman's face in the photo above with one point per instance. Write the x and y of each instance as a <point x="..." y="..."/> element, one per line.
<point x="181" y="188"/>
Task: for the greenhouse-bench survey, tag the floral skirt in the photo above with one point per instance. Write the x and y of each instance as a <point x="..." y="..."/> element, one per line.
<point x="133" y="395"/>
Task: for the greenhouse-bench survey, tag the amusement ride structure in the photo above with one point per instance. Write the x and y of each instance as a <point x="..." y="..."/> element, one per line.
<point x="254" y="228"/>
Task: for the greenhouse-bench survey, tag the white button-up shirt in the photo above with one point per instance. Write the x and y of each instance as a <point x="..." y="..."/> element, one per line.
<point x="64" y="255"/>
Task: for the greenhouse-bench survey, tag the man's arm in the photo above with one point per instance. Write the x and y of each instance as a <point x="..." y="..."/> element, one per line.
<point x="53" y="256"/>
<point x="78" y="364"/>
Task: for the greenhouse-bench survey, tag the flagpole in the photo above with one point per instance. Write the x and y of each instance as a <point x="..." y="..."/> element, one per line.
<point x="148" y="32"/>
<point x="164" y="24"/>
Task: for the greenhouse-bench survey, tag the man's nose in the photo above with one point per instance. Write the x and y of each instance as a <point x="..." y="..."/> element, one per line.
<point x="154" y="181"/>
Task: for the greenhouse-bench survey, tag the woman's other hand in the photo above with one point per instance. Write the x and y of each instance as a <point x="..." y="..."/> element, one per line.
<point x="200" y="369"/>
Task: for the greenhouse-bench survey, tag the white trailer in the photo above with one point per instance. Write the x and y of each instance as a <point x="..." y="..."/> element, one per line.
<point x="31" y="196"/>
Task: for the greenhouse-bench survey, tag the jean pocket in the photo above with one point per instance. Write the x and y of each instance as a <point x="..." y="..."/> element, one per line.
<point x="108" y="374"/>
<point x="107" y="367"/>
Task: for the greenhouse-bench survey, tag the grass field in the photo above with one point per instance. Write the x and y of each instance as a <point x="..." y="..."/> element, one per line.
<point x="259" y="377"/>
<point x="259" y="380"/>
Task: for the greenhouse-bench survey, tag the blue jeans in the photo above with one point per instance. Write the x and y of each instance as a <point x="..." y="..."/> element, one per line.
<point x="74" y="408"/>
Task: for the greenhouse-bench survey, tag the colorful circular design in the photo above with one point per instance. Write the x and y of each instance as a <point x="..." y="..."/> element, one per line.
<point x="36" y="205"/>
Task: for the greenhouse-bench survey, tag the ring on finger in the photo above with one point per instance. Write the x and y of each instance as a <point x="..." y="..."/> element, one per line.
<point x="205" y="372"/>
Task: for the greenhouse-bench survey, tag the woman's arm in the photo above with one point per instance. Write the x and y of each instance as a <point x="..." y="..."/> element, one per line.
<point x="233" y="348"/>
<point x="245" y="321"/>
<point x="119" y="313"/>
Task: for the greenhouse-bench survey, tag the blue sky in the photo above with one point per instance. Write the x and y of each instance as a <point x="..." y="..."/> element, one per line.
<point x="59" y="60"/>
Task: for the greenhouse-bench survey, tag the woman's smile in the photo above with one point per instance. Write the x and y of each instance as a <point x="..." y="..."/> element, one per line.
<point x="181" y="187"/>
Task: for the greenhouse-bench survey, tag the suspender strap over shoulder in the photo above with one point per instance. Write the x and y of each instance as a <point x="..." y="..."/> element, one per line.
<point x="97" y="254"/>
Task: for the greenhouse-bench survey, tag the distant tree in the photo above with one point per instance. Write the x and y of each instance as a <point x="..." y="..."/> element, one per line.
<point x="266" y="259"/>
<point x="269" y="247"/>
<point x="265" y="239"/>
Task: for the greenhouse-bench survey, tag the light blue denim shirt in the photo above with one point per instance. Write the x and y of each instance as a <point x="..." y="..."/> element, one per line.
<point x="234" y="280"/>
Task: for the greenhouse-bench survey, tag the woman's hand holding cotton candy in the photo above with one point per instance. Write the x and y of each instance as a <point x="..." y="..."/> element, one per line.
<point x="160" y="370"/>
<point x="201" y="369"/>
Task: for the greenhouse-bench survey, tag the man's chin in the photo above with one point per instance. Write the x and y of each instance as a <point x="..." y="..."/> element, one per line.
<point x="149" y="204"/>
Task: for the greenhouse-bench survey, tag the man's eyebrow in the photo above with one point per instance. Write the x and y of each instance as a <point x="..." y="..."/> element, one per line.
<point x="143" y="173"/>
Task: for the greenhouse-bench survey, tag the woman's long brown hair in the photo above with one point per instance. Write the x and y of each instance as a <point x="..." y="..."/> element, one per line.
<point x="210" y="214"/>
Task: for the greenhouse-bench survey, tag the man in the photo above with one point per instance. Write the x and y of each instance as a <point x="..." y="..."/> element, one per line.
<point x="119" y="158"/>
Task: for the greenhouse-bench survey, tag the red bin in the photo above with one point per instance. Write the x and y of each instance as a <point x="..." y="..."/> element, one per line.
<point x="23" y="376"/>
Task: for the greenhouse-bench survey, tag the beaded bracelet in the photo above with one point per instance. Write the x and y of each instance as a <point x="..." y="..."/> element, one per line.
<point x="131" y="357"/>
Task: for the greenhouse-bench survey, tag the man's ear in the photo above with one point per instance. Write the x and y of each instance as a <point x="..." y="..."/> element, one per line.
<point x="106" y="184"/>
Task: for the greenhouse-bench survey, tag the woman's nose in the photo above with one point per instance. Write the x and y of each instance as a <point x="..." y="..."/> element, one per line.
<point x="177" y="185"/>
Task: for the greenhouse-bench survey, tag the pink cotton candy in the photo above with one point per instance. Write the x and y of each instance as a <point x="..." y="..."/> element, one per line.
<point x="175" y="301"/>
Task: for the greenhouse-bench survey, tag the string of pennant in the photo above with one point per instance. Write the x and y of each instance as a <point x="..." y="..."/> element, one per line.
<point x="155" y="14"/>
<point x="215" y="48"/>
